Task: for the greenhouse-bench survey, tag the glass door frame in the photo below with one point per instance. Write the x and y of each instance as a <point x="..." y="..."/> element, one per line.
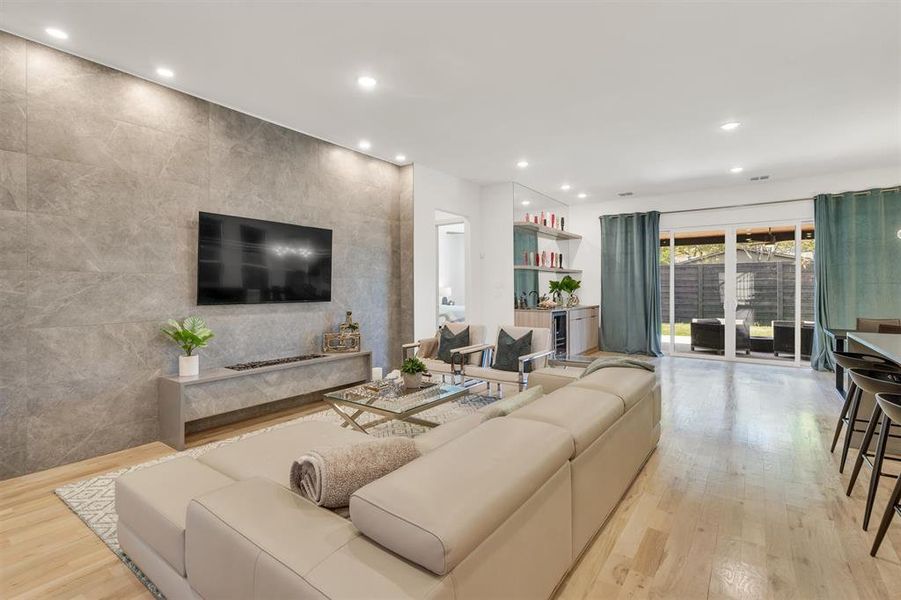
<point x="730" y="303"/>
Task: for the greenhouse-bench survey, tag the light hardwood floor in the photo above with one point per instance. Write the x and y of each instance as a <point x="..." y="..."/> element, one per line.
<point x="741" y="500"/>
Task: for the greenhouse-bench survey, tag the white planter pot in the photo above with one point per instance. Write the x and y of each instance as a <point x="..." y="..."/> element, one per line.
<point x="188" y="366"/>
<point x="412" y="381"/>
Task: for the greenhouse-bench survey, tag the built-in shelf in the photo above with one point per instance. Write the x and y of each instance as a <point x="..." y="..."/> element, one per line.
<point x="545" y="269"/>
<point x="550" y="232"/>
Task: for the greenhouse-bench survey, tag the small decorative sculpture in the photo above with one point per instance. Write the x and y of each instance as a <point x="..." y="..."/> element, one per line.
<point x="347" y="339"/>
<point x="349" y="325"/>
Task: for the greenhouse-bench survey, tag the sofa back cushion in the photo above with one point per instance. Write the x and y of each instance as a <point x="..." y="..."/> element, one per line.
<point x="585" y="413"/>
<point x="630" y="384"/>
<point x="437" y="509"/>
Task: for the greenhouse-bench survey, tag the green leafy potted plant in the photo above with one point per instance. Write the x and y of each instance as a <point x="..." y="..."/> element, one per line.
<point x="556" y="290"/>
<point x="570" y="285"/>
<point x="190" y="334"/>
<point x="412" y="370"/>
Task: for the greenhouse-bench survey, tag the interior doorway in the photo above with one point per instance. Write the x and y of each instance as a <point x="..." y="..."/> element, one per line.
<point x="451" y="240"/>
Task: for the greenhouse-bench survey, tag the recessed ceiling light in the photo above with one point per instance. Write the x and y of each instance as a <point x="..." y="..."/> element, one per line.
<point x="525" y="203"/>
<point x="57" y="33"/>
<point x="522" y="164"/>
<point x="736" y="169"/>
<point x="730" y="126"/>
<point x="367" y="82"/>
<point x="583" y="195"/>
<point x="400" y="158"/>
<point x="165" y="72"/>
<point x="565" y="187"/>
<point x="364" y="145"/>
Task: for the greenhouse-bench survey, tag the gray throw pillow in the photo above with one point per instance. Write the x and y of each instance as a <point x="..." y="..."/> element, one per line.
<point x="448" y="340"/>
<point x="508" y="351"/>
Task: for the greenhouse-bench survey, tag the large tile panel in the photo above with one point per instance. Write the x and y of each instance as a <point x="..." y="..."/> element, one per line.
<point x="12" y="180"/>
<point x="12" y="239"/>
<point x="59" y="243"/>
<point x="66" y="81"/>
<point x="12" y="92"/>
<point x="109" y="194"/>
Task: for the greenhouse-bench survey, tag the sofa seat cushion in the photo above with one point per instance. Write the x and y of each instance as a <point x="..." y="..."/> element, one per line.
<point x="437" y="509"/>
<point x="153" y="502"/>
<point x="492" y="374"/>
<point x="585" y="413"/>
<point x="553" y="378"/>
<point x="629" y="384"/>
<point x="244" y="538"/>
<point x="436" y="366"/>
<point x="271" y="454"/>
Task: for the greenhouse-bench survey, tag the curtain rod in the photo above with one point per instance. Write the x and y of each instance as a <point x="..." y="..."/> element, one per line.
<point x="690" y="210"/>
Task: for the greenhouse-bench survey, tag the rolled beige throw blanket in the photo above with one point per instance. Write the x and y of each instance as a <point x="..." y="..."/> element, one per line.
<point x="329" y="475"/>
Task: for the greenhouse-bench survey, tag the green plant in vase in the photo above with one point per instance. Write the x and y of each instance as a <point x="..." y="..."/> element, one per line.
<point x="189" y="335"/>
<point x="556" y="290"/>
<point x="412" y="370"/>
<point x="570" y="285"/>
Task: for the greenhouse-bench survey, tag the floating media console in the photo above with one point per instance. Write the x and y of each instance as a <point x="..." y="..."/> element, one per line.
<point x="224" y="390"/>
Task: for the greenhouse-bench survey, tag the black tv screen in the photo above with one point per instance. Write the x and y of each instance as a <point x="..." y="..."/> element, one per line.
<point x="248" y="261"/>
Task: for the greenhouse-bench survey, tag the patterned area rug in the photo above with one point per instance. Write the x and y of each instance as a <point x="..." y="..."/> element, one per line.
<point x="94" y="499"/>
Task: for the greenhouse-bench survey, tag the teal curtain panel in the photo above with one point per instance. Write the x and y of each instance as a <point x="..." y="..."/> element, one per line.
<point x="857" y="263"/>
<point x="630" y="283"/>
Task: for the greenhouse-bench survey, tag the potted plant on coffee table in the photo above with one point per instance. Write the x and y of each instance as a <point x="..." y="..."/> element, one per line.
<point x="412" y="370"/>
<point x="190" y="334"/>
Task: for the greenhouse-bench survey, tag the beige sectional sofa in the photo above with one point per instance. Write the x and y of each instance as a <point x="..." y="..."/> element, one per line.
<point x="494" y="508"/>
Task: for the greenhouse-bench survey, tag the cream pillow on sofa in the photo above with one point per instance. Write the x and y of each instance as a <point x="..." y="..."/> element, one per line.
<point x="505" y="406"/>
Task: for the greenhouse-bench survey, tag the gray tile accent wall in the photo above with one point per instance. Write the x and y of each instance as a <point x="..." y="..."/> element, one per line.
<point x="101" y="178"/>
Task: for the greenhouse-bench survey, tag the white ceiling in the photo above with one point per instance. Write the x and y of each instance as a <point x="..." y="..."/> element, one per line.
<point x="610" y="97"/>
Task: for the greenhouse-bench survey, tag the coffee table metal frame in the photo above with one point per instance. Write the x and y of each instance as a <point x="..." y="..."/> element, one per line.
<point x="362" y="406"/>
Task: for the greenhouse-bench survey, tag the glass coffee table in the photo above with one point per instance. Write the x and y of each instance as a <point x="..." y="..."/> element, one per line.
<point x="391" y="401"/>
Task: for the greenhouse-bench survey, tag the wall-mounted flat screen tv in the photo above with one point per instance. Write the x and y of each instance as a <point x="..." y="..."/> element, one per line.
<point x="248" y="261"/>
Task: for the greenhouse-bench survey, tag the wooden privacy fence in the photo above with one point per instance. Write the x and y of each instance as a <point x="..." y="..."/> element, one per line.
<point x="766" y="289"/>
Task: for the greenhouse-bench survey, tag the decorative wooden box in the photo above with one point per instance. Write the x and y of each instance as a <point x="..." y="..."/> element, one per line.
<point x="340" y="342"/>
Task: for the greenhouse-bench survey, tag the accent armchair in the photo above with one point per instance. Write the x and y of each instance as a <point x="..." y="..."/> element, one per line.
<point x="542" y="348"/>
<point x="427" y="349"/>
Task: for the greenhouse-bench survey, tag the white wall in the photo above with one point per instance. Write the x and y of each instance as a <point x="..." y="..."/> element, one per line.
<point x="434" y="190"/>
<point x="488" y="212"/>
<point x="496" y="257"/>
<point x="584" y="217"/>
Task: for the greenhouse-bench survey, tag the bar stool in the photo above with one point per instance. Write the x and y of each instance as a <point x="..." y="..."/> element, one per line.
<point x="890" y="404"/>
<point x="853" y="360"/>
<point x="874" y="382"/>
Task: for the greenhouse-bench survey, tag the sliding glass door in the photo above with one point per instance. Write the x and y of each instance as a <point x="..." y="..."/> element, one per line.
<point x="774" y="290"/>
<point x="740" y="292"/>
